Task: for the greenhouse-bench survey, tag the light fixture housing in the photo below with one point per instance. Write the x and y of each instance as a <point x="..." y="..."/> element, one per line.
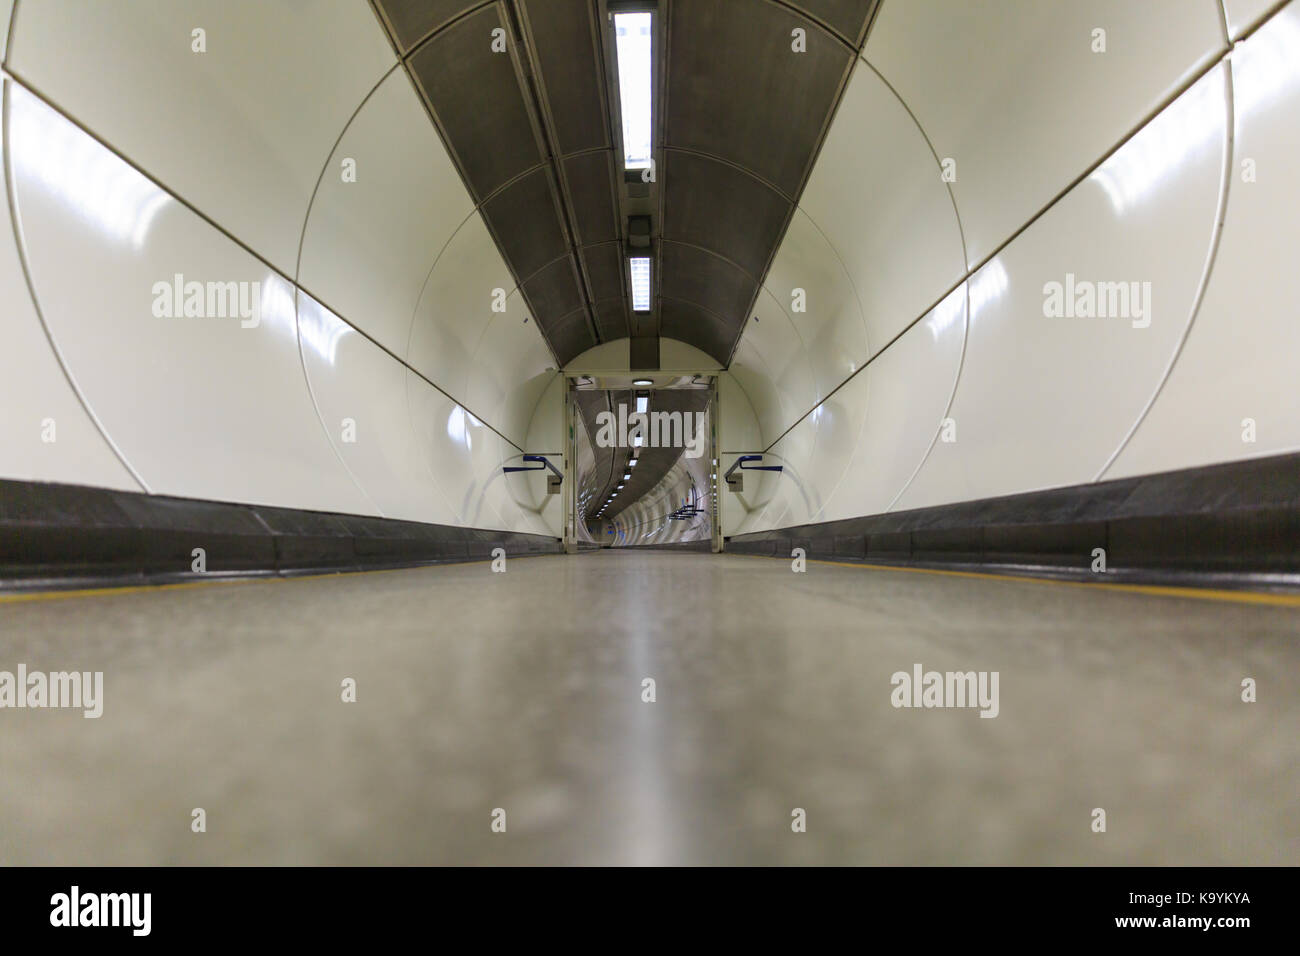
<point x="639" y="272"/>
<point x="634" y="47"/>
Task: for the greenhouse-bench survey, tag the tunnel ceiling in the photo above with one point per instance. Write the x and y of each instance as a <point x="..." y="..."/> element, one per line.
<point x="534" y="132"/>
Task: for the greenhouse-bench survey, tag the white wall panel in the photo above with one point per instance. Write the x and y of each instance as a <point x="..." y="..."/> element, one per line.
<point x="877" y="196"/>
<point x="368" y="245"/>
<point x="755" y="379"/>
<point x="240" y="131"/>
<point x="508" y="371"/>
<point x="1045" y="401"/>
<point x="201" y="407"/>
<point x="782" y="358"/>
<point x="829" y="317"/>
<point x="456" y="304"/>
<point x="1242" y="356"/>
<point x="1244" y="14"/>
<point x="906" y="392"/>
<point x="353" y="381"/>
<point x="786" y="497"/>
<point x="6" y="12"/>
<point x="1015" y="94"/>
<point x="445" y="436"/>
<point x="45" y="433"/>
<point x="545" y="435"/>
<point x="738" y="432"/>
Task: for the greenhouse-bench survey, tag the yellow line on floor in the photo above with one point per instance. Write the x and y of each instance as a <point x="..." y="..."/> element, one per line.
<point x="1159" y="590"/>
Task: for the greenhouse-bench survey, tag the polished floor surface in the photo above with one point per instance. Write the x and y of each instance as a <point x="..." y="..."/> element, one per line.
<point x="522" y="692"/>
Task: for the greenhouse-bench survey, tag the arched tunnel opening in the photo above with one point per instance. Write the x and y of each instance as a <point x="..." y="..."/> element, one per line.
<point x="650" y="432"/>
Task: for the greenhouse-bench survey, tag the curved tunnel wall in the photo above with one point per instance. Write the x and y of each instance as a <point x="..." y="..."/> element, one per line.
<point x="131" y="159"/>
<point x="376" y="379"/>
<point x="925" y="369"/>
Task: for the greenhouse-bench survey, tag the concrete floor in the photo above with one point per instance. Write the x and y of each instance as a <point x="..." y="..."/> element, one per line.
<point x="522" y="691"/>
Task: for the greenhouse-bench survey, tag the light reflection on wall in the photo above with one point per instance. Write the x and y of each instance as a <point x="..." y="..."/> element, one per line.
<point x="320" y="329"/>
<point x="1154" y="155"/>
<point x="459" y="425"/>
<point x="78" y="172"/>
<point x="1267" y="66"/>
<point x="949" y="311"/>
<point x="987" y="286"/>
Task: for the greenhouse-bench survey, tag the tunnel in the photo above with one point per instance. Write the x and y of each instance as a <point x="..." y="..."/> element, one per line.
<point x="650" y="433"/>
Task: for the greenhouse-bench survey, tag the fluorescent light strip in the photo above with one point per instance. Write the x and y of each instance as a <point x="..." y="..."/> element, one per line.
<point x="640" y="271"/>
<point x="633" y="35"/>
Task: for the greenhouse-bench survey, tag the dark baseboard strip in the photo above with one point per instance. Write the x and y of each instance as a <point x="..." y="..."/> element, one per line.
<point x="1228" y="525"/>
<point x="71" y="535"/>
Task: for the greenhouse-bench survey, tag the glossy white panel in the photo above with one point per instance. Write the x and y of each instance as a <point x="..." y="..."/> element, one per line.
<point x="1242" y="356"/>
<point x="905" y="392"/>
<point x="755" y="379"/>
<point x="783" y="359"/>
<point x="738" y="431"/>
<point x="808" y="281"/>
<point x="792" y="498"/>
<point x="508" y="370"/>
<point x="445" y="436"/>
<point x="877" y="195"/>
<point x="837" y="423"/>
<point x="369" y="244"/>
<point x="1045" y="401"/>
<point x="205" y="407"/>
<point x="45" y="433"/>
<point x="545" y="435"/>
<point x="1244" y="14"/>
<point x="241" y="130"/>
<point x="456" y="303"/>
<point x="6" y="11"/>
<point x="1015" y="94"/>
<point x="488" y="453"/>
<point x="360" y="393"/>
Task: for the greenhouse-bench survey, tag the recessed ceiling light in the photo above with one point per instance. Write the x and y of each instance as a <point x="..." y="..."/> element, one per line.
<point x="642" y="381"/>
<point x="627" y="475"/>
<point x="639" y="268"/>
<point x="633" y="36"/>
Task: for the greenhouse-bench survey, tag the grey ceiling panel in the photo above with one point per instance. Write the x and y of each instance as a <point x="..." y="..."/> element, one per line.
<point x="691" y="324"/>
<point x="570" y="336"/>
<point x="719" y="207"/>
<point x="845" y="17"/>
<point x="736" y="89"/>
<point x="476" y="96"/>
<point x="611" y="318"/>
<point x="714" y="284"/>
<point x="605" y="269"/>
<point x="553" y="291"/>
<point x="590" y="181"/>
<point x="524" y="220"/>
<point x="571" y="75"/>
<point x="413" y="19"/>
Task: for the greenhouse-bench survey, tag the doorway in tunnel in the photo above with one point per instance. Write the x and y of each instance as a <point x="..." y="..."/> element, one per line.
<point x="644" y="453"/>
